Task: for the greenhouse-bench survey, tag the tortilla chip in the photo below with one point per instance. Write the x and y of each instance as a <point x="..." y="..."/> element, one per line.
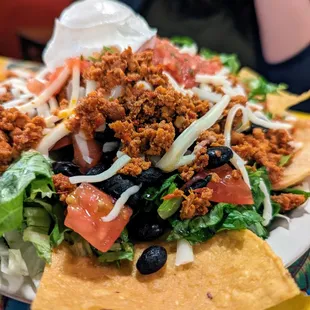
<point x="299" y="168"/>
<point x="276" y="103"/>
<point x="233" y="270"/>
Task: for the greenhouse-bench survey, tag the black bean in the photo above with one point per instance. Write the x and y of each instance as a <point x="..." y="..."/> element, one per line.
<point x="146" y="227"/>
<point x="97" y="169"/>
<point x="116" y="185"/>
<point x="198" y="184"/>
<point x="150" y="176"/>
<point x="152" y="259"/>
<point x="218" y="156"/>
<point x="105" y="136"/>
<point x="67" y="168"/>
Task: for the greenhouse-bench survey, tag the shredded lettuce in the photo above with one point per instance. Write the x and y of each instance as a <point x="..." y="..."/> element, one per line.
<point x="27" y="204"/>
<point x="223" y="216"/>
<point x="259" y="88"/>
<point x="182" y="41"/>
<point x="168" y="207"/>
<point x="14" y="183"/>
<point x="230" y="61"/>
<point x="284" y="160"/>
<point x="122" y="249"/>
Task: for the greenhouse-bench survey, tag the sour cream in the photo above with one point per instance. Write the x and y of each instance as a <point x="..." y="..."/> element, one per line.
<point x="86" y="26"/>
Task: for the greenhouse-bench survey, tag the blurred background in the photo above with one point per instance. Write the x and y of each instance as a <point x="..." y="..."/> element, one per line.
<point x="272" y="37"/>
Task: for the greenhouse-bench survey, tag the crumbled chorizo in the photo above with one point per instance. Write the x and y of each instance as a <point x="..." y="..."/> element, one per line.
<point x="63" y="186"/>
<point x="153" y="139"/>
<point x="265" y="148"/>
<point x="18" y="133"/>
<point x="289" y="201"/>
<point x="201" y="161"/>
<point x="93" y="111"/>
<point x="196" y="203"/>
<point x="135" y="167"/>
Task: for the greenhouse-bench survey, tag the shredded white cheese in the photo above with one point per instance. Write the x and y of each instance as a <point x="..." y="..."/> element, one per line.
<point x="117" y="165"/>
<point x="204" y="92"/>
<point x="90" y="86"/>
<point x="176" y="86"/>
<point x="184" y="254"/>
<point x="52" y="137"/>
<point x="266" y="123"/>
<point x="75" y="86"/>
<point x="117" y="91"/>
<point x="145" y="85"/>
<point x="169" y="161"/>
<point x="236" y="160"/>
<point x="120" y="202"/>
<point x="48" y="92"/>
<point x="267" y="213"/>
<point x="218" y="80"/>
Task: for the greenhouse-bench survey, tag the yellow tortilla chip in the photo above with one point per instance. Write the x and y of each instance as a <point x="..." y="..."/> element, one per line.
<point x="233" y="270"/>
<point x="299" y="168"/>
<point x="280" y="102"/>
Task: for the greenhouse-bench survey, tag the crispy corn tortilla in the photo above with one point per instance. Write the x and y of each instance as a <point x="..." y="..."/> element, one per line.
<point x="299" y="168"/>
<point x="276" y="103"/>
<point x="233" y="270"/>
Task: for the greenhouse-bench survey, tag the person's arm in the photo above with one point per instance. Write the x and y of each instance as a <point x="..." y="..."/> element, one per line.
<point x="284" y="28"/>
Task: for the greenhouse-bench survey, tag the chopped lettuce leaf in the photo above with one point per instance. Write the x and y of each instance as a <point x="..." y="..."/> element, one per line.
<point x="182" y="41"/>
<point x="79" y="246"/>
<point x="122" y="249"/>
<point x="13" y="185"/>
<point x="170" y="206"/>
<point x="223" y="216"/>
<point x="296" y="191"/>
<point x="284" y="160"/>
<point x="255" y="177"/>
<point x="154" y="194"/>
<point x="34" y="264"/>
<point x="230" y="61"/>
<point x="259" y="88"/>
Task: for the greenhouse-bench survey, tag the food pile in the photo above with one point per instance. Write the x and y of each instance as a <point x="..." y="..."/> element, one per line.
<point x="163" y="143"/>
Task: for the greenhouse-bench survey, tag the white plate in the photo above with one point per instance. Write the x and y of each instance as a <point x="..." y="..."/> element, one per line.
<point x="289" y="242"/>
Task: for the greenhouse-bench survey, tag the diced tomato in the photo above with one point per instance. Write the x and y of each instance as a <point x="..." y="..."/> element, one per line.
<point x="230" y="189"/>
<point x="87" y="153"/>
<point x="65" y="141"/>
<point x="86" y="206"/>
<point x="183" y="67"/>
<point x="35" y="86"/>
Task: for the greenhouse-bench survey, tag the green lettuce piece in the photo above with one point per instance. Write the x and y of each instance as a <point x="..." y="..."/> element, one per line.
<point x="255" y="178"/>
<point x="182" y="41"/>
<point x="122" y="249"/>
<point x="223" y="216"/>
<point x="259" y="88"/>
<point x="296" y="191"/>
<point x="284" y="160"/>
<point x="13" y="185"/>
<point x="154" y="194"/>
<point x="170" y="206"/>
<point x="230" y="61"/>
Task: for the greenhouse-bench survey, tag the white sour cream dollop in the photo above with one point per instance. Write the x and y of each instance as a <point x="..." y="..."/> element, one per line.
<point x="86" y="26"/>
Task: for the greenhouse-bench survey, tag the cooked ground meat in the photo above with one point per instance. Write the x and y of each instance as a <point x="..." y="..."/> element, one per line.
<point x="6" y="97"/>
<point x="135" y="167"/>
<point x="93" y="111"/>
<point x="63" y="186"/>
<point x="18" y="133"/>
<point x="289" y="201"/>
<point x="196" y="203"/>
<point x="201" y="161"/>
<point x="153" y="139"/>
<point x="265" y="148"/>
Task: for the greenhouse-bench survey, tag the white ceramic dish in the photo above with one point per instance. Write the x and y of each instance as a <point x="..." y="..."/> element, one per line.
<point x="289" y="241"/>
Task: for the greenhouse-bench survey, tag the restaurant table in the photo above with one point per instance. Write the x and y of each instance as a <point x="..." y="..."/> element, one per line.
<point x="300" y="270"/>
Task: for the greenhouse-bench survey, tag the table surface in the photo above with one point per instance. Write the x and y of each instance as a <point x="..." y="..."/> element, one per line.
<point x="300" y="270"/>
